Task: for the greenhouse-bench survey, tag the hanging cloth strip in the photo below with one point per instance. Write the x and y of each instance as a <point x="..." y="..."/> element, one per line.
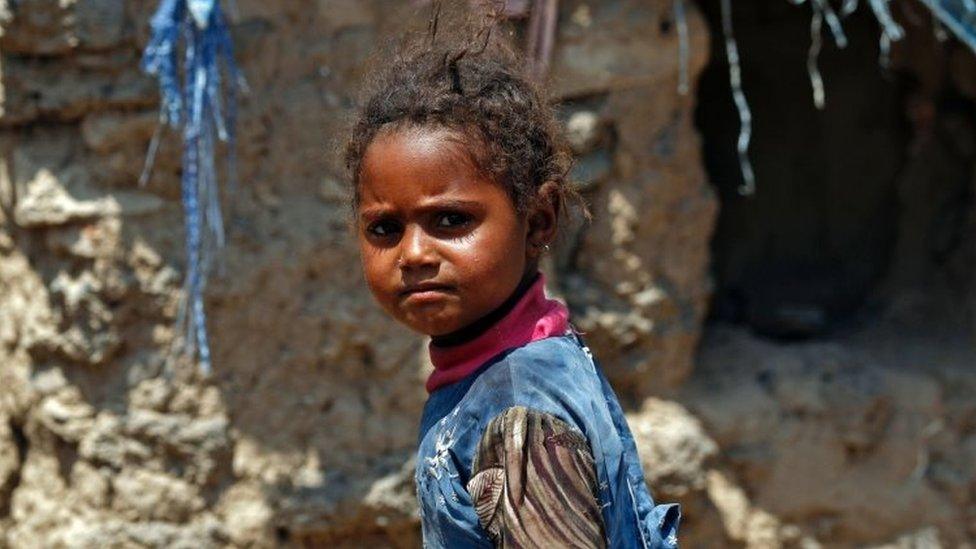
<point x="198" y="105"/>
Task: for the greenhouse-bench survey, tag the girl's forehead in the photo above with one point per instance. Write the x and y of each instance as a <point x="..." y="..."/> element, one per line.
<point x="417" y="162"/>
<point x="431" y="147"/>
<point x="406" y="191"/>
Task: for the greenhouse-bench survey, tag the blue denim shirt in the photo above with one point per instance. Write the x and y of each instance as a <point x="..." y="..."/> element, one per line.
<point x="557" y="376"/>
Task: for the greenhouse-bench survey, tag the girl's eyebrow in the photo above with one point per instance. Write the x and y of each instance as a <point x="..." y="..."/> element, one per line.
<point x="432" y="204"/>
<point x="374" y="211"/>
<point x="440" y="203"/>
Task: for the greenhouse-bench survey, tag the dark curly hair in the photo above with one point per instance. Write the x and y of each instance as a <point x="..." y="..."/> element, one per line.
<point x="476" y="87"/>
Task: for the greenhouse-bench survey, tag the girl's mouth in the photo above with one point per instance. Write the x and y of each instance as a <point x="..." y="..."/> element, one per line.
<point x="425" y="292"/>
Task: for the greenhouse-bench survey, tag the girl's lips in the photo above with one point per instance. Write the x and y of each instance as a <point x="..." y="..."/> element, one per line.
<point x="426" y="293"/>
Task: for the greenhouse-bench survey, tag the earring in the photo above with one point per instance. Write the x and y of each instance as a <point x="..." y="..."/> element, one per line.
<point x="545" y="248"/>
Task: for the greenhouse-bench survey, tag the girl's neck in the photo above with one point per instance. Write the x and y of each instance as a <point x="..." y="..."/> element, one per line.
<point x="480" y="326"/>
<point x="531" y="317"/>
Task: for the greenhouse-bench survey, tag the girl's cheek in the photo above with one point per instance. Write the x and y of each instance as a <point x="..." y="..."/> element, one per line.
<point x="373" y="273"/>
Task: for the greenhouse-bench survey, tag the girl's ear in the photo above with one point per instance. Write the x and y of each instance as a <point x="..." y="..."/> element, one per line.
<point x="543" y="216"/>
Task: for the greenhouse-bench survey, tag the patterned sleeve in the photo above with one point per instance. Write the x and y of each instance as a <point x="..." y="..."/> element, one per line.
<point x="534" y="483"/>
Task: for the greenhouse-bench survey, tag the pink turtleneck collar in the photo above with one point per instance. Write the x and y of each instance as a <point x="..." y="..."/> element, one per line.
<point x="533" y="317"/>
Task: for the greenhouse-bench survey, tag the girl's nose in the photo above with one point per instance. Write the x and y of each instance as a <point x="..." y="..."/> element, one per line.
<point x="416" y="249"/>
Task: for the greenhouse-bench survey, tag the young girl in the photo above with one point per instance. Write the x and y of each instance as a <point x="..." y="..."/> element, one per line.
<point x="459" y="182"/>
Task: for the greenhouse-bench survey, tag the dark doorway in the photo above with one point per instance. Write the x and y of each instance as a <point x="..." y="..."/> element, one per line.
<point x="806" y="250"/>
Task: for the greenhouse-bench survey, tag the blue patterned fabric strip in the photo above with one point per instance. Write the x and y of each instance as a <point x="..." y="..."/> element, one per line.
<point x="959" y="16"/>
<point x="196" y="104"/>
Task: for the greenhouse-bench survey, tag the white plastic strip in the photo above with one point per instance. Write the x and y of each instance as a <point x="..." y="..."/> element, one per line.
<point x="816" y="80"/>
<point x="748" y="186"/>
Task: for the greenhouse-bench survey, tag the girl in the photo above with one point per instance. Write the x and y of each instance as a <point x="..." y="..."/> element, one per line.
<point x="459" y="181"/>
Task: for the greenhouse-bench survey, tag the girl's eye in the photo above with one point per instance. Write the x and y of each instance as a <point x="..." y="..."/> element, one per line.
<point x="382" y="228"/>
<point x="452" y="219"/>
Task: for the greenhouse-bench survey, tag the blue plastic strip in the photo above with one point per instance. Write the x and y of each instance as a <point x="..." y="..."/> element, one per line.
<point x="959" y="16"/>
<point x="195" y="104"/>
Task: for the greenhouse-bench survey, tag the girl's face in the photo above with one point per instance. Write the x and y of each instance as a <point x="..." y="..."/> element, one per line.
<point x="441" y="245"/>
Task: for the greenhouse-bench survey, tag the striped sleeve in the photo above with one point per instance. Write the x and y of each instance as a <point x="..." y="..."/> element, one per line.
<point x="534" y="483"/>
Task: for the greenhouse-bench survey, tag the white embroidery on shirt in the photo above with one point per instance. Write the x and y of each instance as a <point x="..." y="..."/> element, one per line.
<point x="442" y="448"/>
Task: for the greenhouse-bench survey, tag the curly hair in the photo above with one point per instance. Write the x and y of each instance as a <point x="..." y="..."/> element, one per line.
<point x="477" y="88"/>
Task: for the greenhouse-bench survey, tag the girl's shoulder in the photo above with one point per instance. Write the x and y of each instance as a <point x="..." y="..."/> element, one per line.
<point x="544" y="359"/>
<point x="556" y="375"/>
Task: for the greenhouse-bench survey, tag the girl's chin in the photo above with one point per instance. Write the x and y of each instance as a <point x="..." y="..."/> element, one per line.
<point x="433" y="327"/>
<point x="435" y="332"/>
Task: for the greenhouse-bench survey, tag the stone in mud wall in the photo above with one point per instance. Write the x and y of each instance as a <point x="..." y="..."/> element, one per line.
<point x="62" y="27"/>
